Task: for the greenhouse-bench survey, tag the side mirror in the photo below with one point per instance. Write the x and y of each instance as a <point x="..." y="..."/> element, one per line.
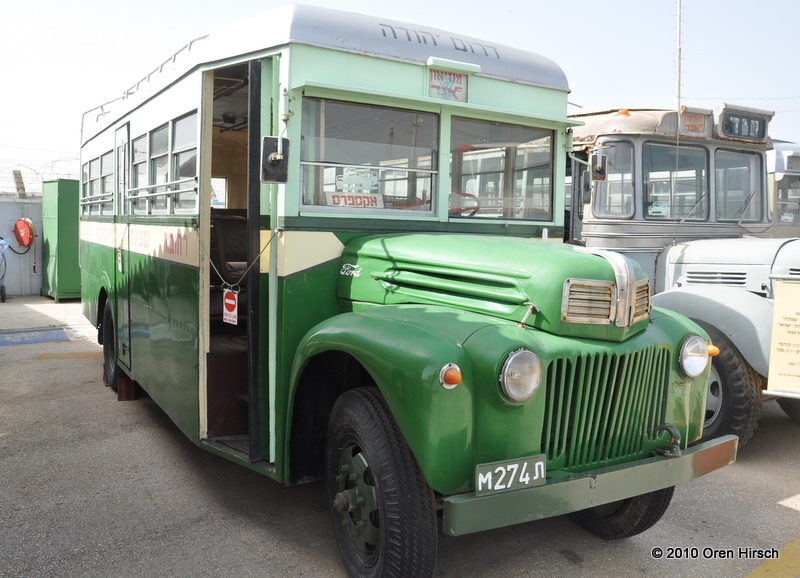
<point x="274" y="159"/>
<point x="599" y="163"/>
<point x="586" y="188"/>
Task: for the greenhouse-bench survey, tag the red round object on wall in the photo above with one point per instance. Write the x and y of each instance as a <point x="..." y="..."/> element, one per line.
<point x="24" y="232"/>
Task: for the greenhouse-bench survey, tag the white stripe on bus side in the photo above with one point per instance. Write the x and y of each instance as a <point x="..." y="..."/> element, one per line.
<point x="176" y="244"/>
<point x="301" y="250"/>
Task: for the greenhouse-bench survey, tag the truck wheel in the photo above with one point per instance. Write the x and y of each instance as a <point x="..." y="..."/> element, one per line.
<point x="111" y="370"/>
<point x="734" y="393"/>
<point x="382" y="509"/>
<point x="625" y="518"/>
<point x="791" y="407"/>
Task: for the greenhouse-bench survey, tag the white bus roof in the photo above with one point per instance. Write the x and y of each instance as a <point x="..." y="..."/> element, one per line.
<point x="344" y="31"/>
<point x="655" y="121"/>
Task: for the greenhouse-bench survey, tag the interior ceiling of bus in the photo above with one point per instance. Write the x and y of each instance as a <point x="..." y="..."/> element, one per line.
<point x="230" y="97"/>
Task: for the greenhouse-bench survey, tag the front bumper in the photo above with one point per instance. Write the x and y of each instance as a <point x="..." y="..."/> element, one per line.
<point x="466" y="513"/>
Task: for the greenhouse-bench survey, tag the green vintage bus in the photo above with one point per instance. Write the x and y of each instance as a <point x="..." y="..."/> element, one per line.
<point x="324" y="244"/>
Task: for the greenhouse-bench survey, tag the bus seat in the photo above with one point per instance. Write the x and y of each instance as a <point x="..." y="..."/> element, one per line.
<point x="229" y="246"/>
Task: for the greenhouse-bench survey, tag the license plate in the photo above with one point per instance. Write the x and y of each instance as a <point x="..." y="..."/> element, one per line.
<point x="509" y="475"/>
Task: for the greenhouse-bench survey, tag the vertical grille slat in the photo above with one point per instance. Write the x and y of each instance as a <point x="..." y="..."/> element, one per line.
<point x="639" y="384"/>
<point x="617" y="414"/>
<point x="578" y="420"/>
<point x="602" y="408"/>
<point x="600" y="400"/>
<point x="606" y="409"/>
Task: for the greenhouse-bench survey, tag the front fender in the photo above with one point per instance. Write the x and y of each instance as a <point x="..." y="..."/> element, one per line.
<point x="404" y="348"/>
<point x="745" y="318"/>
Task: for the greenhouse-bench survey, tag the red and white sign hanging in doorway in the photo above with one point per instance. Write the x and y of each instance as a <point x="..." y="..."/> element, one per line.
<point x="230" y="306"/>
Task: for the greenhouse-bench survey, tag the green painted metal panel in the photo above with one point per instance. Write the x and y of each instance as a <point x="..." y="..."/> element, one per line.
<point x="164" y="333"/>
<point x="61" y="276"/>
<point x="391" y="80"/>
<point x="485" y="274"/>
<point x="419" y="301"/>
<point x="403" y="348"/>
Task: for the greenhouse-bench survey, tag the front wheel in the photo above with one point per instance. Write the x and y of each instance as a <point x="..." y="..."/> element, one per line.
<point x="382" y="509"/>
<point x="734" y="393"/>
<point x="625" y="518"/>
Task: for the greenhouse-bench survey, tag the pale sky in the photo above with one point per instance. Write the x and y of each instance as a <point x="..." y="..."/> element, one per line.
<point x="60" y="59"/>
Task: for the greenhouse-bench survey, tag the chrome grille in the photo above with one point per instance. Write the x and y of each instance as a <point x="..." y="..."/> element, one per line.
<point x="641" y="305"/>
<point x="588" y="301"/>
<point x="602" y="408"/>
<point x="592" y="301"/>
<point x="716" y="277"/>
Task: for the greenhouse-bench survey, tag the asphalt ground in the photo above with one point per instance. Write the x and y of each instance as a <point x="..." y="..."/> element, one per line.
<point x="90" y="486"/>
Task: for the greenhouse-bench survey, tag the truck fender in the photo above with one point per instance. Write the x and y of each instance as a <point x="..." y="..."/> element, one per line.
<point x="404" y="353"/>
<point x="743" y="317"/>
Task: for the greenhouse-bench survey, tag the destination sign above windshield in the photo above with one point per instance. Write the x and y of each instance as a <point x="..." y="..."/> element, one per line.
<point x="744" y="126"/>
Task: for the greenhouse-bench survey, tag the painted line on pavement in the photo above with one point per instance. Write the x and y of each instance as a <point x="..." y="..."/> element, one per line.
<point x="28" y="337"/>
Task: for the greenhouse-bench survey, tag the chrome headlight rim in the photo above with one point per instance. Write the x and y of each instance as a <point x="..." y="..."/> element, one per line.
<point x="521" y="375"/>
<point x="693" y="358"/>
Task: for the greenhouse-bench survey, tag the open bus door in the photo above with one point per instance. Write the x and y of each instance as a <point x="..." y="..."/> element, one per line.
<point x="235" y="422"/>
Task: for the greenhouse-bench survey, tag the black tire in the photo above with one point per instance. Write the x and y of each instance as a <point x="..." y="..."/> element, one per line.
<point x="111" y="370"/>
<point x="625" y="518"/>
<point x="734" y="393"/>
<point x="2" y="293"/>
<point x="383" y="511"/>
<point x="790" y="407"/>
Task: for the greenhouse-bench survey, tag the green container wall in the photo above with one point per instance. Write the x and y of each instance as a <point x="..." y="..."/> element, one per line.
<point x="61" y="275"/>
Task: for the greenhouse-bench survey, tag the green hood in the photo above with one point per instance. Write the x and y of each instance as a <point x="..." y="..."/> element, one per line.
<point x="577" y="292"/>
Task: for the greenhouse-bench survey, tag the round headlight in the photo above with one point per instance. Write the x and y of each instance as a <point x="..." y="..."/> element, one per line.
<point x="694" y="356"/>
<point x="521" y="375"/>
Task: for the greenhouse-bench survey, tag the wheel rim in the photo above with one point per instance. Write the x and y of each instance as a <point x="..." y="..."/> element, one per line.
<point x="356" y="501"/>
<point x="714" y="402"/>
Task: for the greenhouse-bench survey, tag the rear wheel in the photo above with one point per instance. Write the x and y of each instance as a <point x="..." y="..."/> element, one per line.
<point x="734" y="393"/>
<point x="111" y="370"/>
<point x="382" y="509"/>
<point x="625" y="518"/>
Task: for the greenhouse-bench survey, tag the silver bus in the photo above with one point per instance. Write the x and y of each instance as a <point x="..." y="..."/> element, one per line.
<point x="685" y="194"/>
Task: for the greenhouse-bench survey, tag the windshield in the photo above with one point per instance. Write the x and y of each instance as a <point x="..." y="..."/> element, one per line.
<point x="360" y="157"/>
<point x="740" y="196"/>
<point x="675" y="182"/>
<point x="500" y="171"/>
